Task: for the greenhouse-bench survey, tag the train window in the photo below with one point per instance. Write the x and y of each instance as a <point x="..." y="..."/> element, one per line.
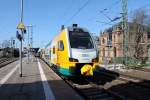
<point x="53" y="50"/>
<point x="80" y="40"/>
<point x="50" y="54"/>
<point x="60" y="45"/>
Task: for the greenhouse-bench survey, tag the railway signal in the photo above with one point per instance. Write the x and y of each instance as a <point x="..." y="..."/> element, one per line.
<point x="19" y="36"/>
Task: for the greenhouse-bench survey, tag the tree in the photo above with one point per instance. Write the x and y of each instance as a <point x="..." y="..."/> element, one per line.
<point x="139" y="23"/>
<point x="6" y="43"/>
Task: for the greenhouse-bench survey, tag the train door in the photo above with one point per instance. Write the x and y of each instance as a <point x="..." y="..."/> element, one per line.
<point x="49" y="54"/>
<point x="60" y="52"/>
<point x="53" y="55"/>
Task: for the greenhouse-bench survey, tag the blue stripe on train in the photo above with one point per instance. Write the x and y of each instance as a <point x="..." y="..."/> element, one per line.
<point x="65" y="72"/>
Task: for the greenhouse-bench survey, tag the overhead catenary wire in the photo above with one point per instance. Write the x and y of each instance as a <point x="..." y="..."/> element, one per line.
<point x="68" y="8"/>
<point x="84" y="5"/>
<point x="78" y="11"/>
<point x="111" y="5"/>
<point x="131" y="12"/>
<point x="106" y="9"/>
<point x="144" y="6"/>
<point x="130" y="16"/>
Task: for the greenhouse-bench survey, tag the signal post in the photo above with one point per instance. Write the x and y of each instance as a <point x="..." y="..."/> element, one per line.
<point x="20" y="36"/>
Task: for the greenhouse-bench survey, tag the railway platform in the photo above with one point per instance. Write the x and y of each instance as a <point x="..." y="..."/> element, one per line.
<point x="38" y="82"/>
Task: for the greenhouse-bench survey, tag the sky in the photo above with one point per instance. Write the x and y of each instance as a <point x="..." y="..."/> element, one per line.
<point x="47" y="16"/>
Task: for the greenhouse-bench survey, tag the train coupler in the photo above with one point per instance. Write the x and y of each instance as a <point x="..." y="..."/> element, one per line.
<point x="87" y="70"/>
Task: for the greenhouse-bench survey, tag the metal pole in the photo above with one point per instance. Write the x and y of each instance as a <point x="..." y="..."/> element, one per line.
<point x="31" y="36"/>
<point x="28" y="35"/>
<point x="28" y="43"/>
<point x="21" y="19"/>
<point x="30" y="32"/>
<point x="125" y="30"/>
<point x="20" y="71"/>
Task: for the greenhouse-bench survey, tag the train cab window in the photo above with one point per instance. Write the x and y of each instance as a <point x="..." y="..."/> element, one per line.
<point x="53" y="50"/>
<point x="60" y="45"/>
<point x="80" y="40"/>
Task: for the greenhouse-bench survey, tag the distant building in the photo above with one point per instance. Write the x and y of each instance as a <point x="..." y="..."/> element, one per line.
<point x="111" y="43"/>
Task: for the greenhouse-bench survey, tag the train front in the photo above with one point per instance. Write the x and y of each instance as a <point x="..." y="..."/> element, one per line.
<point x="83" y="51"/>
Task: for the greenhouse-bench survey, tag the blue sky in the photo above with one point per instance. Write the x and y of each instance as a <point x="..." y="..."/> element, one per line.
<point x="47" y="16"/>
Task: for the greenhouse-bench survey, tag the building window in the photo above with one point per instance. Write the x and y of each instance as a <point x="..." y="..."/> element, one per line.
<point x="115" y="52"/>
<point x="103" y="40"/>
<point x="114" y="38"/>
<point x="103" y="52"/>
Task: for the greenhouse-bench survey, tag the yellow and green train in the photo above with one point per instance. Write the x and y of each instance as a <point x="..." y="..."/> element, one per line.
<point x="72" y="51"/>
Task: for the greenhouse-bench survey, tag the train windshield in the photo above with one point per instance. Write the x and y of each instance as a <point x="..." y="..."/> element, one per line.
<point x="80" y="40"/>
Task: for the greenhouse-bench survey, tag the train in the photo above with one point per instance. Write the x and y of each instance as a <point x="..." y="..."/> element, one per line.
<point x="9" y="52"/>
<point x="73" y="52"/>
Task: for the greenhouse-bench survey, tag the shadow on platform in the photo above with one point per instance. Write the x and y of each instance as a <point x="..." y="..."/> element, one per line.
<point x="34" y="91"/>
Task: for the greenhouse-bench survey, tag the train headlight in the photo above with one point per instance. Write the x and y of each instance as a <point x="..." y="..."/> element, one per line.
<point x="95" y="59"/>
<point x="73" y="60"/>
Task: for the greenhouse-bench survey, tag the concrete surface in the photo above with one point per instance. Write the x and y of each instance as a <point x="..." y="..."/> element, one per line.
<point x="30" y="87"/>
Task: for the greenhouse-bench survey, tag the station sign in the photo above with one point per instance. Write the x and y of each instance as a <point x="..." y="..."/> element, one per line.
<point x="21" y="26"/>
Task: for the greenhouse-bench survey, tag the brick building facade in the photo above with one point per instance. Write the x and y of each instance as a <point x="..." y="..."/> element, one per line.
<point x="111" y="44"/>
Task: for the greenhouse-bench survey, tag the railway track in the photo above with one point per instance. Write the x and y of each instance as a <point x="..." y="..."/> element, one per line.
<point x="135" y="80"/>
<point x="131" y="88"/>
<point x="92" y="91"/>
<point x="2" y="60"/>
<point x="89" y="90"/>
<point x="142" y="69"/>
<point x="6" y="61"/>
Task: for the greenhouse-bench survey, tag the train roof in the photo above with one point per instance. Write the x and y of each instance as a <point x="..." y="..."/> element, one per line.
<point x="70" y="28"/>
<point x="81" y="29"/>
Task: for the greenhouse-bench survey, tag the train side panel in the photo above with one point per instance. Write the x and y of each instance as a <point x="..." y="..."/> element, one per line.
<point x="63" y="54"/>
